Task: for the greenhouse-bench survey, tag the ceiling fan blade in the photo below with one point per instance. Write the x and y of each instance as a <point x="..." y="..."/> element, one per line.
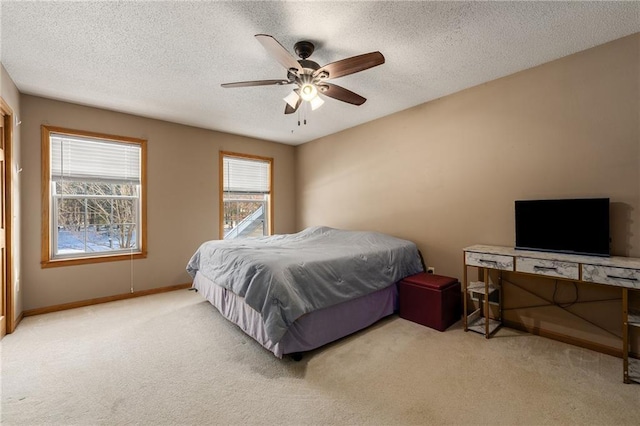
<point x="256" y="83"/>
<point x="351" y="65"/>
<point x="276" y="50"/>
<point x="289" y="110"/>
<point x="340" y="93"/>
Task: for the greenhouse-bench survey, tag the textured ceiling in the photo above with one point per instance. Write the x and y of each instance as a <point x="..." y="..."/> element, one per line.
<point x="166" y="60"/>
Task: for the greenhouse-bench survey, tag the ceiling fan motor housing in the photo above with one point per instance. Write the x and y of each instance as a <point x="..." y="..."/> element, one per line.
<point x="307" y="64"/>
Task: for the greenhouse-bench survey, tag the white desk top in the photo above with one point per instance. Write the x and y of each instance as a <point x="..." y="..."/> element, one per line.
<point x="615" y="261"/>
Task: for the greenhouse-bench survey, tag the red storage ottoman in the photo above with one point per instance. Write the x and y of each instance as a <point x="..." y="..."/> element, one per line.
<point x="431" y="300"/>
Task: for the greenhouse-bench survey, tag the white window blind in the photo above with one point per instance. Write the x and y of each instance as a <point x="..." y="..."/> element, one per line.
<point x="96" y="160"/>
<point x="248" y="176"/>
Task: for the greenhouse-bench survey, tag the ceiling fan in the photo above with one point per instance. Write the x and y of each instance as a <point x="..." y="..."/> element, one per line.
<point x="309" y="77"/>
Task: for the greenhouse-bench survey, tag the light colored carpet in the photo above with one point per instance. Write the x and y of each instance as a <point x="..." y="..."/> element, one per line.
<point x="172" y="359"/>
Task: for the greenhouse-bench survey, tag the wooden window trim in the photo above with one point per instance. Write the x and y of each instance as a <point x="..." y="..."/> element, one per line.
<point x="221" y="186"/>
<point x="46" y="260"/>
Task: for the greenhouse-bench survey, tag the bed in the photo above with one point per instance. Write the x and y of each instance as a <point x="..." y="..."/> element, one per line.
<point x="296" y="292"/>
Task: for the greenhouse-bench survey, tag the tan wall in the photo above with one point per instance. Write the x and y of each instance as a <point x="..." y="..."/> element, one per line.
<point x="11" y="96"/>
<point x="182" y="209"/>
<point x="445" y="174"/>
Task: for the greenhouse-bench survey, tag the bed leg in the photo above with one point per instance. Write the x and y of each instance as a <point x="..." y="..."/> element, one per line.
<point x="296" y="356"/>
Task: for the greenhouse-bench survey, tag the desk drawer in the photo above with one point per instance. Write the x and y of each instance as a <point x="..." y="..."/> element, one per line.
<point x="486" y="260"/>
<point x="548" y="268"/>
<point x="621" y="277"/>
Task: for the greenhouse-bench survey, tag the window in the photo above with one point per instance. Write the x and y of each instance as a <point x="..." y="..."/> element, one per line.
<point x="246" y="209"/>
<point x="95" y="209"/>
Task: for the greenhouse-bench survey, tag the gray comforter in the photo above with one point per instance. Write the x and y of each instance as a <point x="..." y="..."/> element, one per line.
<point x="285" y="276"/>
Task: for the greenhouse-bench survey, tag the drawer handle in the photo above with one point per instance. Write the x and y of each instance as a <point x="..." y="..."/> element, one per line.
<point x="493" y="262"/>
<point x="545" y="268"/>
<point x="615" y="277"/>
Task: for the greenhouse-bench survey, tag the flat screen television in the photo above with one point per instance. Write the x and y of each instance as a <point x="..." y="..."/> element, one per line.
<point x="577" y="226"/>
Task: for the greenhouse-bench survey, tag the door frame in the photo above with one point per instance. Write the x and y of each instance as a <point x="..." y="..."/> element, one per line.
<point x="8" y="212"/>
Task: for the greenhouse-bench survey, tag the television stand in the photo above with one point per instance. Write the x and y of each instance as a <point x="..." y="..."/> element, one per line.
<point x="619" y="272"/>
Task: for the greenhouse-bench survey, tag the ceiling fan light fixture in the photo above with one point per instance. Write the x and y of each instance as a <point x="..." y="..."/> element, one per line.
<point x="316" y="103"/>
<point x="308" y="91"/>
<point x="292" y="99"/>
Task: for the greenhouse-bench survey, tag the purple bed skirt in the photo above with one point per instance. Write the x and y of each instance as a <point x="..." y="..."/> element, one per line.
<point x="309" y="331"/>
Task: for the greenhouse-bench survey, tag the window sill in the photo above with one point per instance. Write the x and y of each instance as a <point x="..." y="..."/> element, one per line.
<point x="53" y="263"/>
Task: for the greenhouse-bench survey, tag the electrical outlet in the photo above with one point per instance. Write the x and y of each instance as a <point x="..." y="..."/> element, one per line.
<point x="431" y="270"/>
